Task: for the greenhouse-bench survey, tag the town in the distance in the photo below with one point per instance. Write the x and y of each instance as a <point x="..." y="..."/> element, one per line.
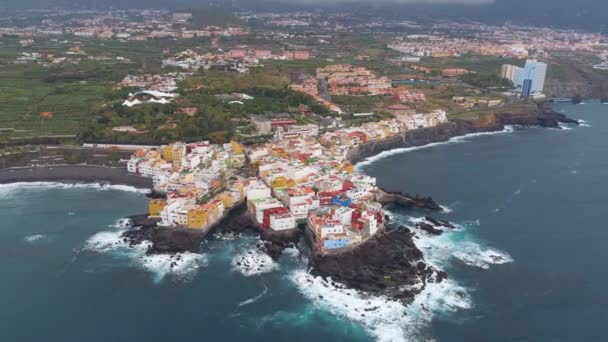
<point x="222" y="109"/>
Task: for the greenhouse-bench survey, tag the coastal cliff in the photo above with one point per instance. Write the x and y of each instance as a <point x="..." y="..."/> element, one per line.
<point x="541" y="116"/>
<point x="387" y="264"/>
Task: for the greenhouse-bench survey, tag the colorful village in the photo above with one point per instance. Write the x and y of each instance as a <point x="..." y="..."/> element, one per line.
<point x="300" y="179"/>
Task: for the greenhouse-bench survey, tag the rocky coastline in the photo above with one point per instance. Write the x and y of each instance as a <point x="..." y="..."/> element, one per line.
<point x="389" y="263"/>
<point x="385" y="197"/>
<point x="542" y="116"/>
<point x="172" y="240"/>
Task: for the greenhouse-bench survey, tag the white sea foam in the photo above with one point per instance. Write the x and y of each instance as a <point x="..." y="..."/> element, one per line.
<point x="459" y="139"/>
<point x="181" y="266"/>
<point x="254" y="262"/>
<point x="440" y="250"/>
<point x="227" y="236"/>
<point x="254" y="299"/>
<point x="11" y="188"/>
<point x="35" y="238"/>
<point x="122" y="223"/>
<point x="564" y="127"/>
<point x="383" y="318"/>
<point x="105" y="241"/>
<point x="446" y="209"/>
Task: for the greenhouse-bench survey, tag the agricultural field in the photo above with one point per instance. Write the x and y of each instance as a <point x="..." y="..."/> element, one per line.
<point x="24" y="95"/>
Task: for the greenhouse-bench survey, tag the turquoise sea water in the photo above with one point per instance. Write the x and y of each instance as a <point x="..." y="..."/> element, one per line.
<point x="535" y="197"/>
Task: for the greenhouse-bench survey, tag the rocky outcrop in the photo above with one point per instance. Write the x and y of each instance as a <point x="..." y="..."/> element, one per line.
<point x="274" y="243"/>
<point x="387" y="197"/>
<point x="165" y="240"/>
<point x="387" y="264"/>
<point x="433" y="226"/>
<point x="171" y="240"/>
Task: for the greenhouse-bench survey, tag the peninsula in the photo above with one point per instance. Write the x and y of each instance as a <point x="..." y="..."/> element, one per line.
<point x="304" y="187"/>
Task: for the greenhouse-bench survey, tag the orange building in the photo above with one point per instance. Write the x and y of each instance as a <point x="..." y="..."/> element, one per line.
<point x="156" y="206"/>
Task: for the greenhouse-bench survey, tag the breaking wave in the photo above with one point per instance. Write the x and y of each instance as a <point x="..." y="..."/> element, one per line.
<point x="384" y="319"/>
<point x="457" y="244"/>
<point x="254" y="262"/>
<point x="183" y="266"/>
<point x="11" y="188"/>
<point x="459" y="139"/>
<point x="180" y="266"/>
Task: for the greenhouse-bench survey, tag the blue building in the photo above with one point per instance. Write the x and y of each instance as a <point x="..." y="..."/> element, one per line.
<point x="527" y="88"/>
<point x="342" y="201"/>
<point x="336" y="243"/>
<point x="534" y="71"/>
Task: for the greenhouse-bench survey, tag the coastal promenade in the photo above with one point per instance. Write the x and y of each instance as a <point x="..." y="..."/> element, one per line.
<point x="74" y="174"/>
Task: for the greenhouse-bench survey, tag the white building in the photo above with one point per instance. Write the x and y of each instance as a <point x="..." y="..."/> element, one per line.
<point x="284" y="221"/>
<point x="257" y="190"/>
<point x="331" y="228"/>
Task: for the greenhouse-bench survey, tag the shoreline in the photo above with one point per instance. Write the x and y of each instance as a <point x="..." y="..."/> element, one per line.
<point x="70" y="174"/>
<point x="381" y="274"/>
<point x="490" y="123"/>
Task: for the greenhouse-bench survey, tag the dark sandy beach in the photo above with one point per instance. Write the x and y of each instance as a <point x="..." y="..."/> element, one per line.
<point x="74" y="174"/>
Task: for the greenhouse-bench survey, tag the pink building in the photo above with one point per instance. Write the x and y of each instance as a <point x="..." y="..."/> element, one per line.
<point x="237" y="53"/>
<point x="262" y="53"/>
<point x="299" y="54"/>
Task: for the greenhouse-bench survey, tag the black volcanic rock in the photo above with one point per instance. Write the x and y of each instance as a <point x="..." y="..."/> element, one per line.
<point x="382" y="265"/>
<point x="429" y="228"/>
<point x="276" y="242"/>
<point x="166" y="240"/>
<point x="386" y="197"/>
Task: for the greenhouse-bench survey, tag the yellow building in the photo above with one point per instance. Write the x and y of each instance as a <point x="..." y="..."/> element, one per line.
<point x="346" y="167"/>
<point x="167" y="152"/>
<point x="155" y="207"/>
<point x="173" y="153"/>
<point x="279" y="183"/>
<point x="197" y="218"/>
<point x="226" y="199"/>
<point x="236" y="147"/>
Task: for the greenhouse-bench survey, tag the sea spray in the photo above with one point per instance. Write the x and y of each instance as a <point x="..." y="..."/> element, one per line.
<point x="12" y="188"/>
<point x="254" y="262"/>
<point x="383" y="318"/>
<point x="180" y="266"/>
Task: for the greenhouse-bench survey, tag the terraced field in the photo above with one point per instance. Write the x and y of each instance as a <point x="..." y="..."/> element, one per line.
<point x="24" y="95"/>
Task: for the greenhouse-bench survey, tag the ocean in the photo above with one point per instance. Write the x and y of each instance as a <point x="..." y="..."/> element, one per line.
<point x="533" y="196"/>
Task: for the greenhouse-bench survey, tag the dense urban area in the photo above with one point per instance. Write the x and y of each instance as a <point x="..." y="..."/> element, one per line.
<point x="221" y="109"/>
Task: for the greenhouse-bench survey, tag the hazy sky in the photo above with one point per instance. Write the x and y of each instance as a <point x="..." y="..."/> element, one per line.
<point x="476" y="2"/>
